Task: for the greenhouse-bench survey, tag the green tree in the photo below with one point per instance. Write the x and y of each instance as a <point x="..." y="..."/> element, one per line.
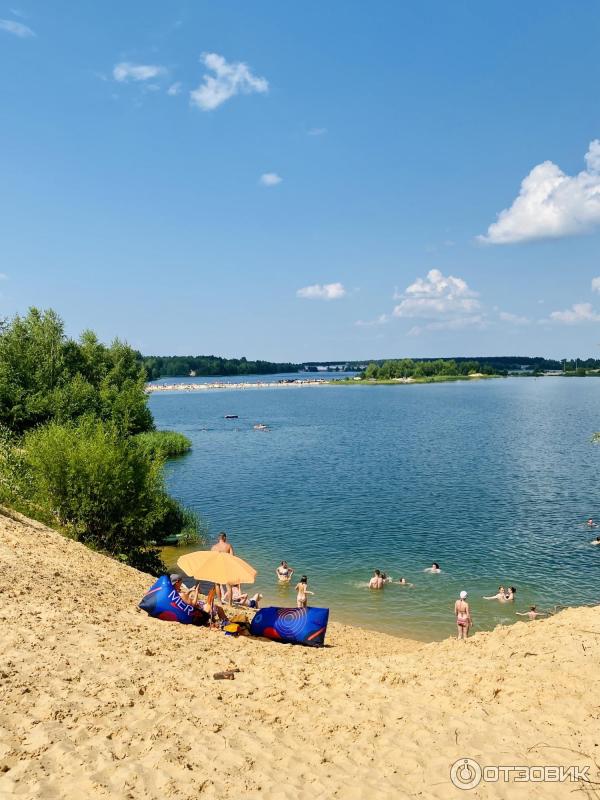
<point x="371" y="372"/>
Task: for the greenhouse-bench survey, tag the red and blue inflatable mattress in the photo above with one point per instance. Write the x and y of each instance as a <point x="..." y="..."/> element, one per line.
<point x="291" y="625"/>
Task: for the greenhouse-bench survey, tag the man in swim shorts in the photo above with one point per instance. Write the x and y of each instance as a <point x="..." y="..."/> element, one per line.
<point x="180" y="587"/>
<point x="223" y="546"/>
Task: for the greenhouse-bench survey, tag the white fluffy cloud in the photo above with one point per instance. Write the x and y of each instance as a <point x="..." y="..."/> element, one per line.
<point x="513" y="319"/>
<point x="229" y="79"/>
<point x="325" y="291"/>
<point x="579" y="312"/>
<point x="596" y="284"/>
<point x="174" y="89"/>
<point x="551" y="204"/>
<point x="436" y="295"/>
<point x="16" y="28"/>
<point x="444" y="299"/>
<point x="270" y="179"/>
<point x="126" y="71"/>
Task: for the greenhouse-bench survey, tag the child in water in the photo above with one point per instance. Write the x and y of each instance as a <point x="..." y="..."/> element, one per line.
<point x="302" y="592"/>
<point x="532" y="613"/>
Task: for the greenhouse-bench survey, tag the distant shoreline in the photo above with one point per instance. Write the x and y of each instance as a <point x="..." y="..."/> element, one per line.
<point x="158" y="388"/>
<point x="154" y="388"/>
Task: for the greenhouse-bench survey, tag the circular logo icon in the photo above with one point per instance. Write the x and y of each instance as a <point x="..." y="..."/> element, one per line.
<point x="465" y="773"/>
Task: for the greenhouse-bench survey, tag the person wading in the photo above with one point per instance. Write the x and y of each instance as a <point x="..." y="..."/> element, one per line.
<point x="223" y="546"/>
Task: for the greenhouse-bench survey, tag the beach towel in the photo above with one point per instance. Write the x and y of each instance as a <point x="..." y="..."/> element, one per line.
<point x="162" y="601"/>
<point x="291" y="625"/>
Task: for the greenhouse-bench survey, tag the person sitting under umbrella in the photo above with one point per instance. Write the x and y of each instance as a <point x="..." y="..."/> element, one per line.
<point x="207" y="607"/>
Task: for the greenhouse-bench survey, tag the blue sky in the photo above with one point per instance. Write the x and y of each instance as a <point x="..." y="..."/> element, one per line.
<point x="305" y="180"/>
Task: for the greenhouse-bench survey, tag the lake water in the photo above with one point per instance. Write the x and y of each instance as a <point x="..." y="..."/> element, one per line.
<point x="492" y="479"/>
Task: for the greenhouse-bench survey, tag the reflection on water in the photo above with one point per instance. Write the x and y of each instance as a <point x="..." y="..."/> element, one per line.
<point x="491" y="479"/>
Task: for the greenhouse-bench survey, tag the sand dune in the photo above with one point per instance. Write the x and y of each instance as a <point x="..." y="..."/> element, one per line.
<point x="97" y="700"/>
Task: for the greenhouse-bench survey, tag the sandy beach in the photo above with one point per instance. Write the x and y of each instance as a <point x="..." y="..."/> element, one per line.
<point x="97" y="700"/>
<point x="154" y="388"/>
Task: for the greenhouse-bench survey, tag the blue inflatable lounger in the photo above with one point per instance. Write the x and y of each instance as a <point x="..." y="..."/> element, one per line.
<point x="291" y="625"/>
<point x="163" y="601"/>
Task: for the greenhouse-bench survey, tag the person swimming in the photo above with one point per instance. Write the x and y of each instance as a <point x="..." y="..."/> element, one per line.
<point x="434" y="568"/>
<point x="500" y="595"/>
<point x="510" y="593"/>
<point x="591" y="524"/>
<point x="596" y="540"/>
<point x="404" y="582"/>
<point x="533" y="613"/>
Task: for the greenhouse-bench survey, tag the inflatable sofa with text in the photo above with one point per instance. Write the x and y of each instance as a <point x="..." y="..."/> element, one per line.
<point x="163" y="601"/>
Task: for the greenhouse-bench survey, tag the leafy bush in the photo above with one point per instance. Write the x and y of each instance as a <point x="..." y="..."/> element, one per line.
<point x="164" y="444"/>
<point x="13" y="471"/>
<point x="102" y="487"/>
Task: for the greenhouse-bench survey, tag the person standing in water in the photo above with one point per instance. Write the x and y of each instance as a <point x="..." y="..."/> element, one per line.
<point x="284" y="572"/>
<point x="462" y="612"/>
<point x="223" y="546"/>
<point x="302" y="592"/>
<point x="376" y="581"/>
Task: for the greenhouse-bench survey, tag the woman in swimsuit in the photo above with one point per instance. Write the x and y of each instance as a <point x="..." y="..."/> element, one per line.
<point x="462" y="612"/>
<point x="302" y="592"/>
<point x="284" y="573"/>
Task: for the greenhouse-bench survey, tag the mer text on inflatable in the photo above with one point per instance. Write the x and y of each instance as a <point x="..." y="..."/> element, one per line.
<point x="162" y="601"/>
<point x="291" y="625"/>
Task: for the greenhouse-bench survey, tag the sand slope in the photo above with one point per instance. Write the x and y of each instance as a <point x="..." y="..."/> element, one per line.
<point x="97" y="700"/>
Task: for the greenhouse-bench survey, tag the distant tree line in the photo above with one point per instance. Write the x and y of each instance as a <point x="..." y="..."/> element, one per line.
<point x="407" y="368"/>
<point x="78" y="448"/>
<point x="181" y="366"/>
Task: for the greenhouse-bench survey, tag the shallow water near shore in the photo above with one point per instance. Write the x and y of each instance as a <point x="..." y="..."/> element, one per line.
<point x="492" y="479"/>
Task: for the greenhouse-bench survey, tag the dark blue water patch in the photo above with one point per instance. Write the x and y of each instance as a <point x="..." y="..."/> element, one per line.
<point x="492" y="479"/>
